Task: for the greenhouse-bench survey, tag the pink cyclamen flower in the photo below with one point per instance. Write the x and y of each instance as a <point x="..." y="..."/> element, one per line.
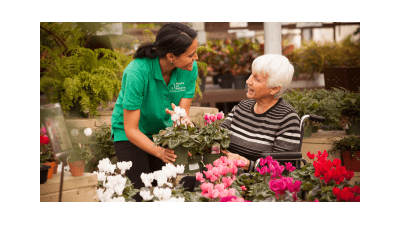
<point x="264" y="170"/>
<point x="208" y="174"/>
<point x="243" y="187"/>
<point x="206" y="116"/>
<point x="213" y="117"/>
<point x="220" y="115"/>
<point x="227" y="181"/>
<point x="209" y="167"/>
<point x="278" y="186"/>
<point x="199" y="177"/>
<point x="289" y="166"/>
<point x="219" y="187"/>
<point x="213" y="178"/>
<point x="43" y="130"/>
<point x="206" y="187"/>
<point x="218" y="162"/>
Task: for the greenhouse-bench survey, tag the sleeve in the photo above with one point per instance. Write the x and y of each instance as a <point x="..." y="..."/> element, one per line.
<point x="288" y="134"/>
<point x="191" y="85"/>
<point x="228" y="120"/>
<point x="134" y="89"/>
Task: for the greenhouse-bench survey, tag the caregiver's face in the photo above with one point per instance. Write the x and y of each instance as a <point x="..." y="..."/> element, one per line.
<point x="186" y="59"/>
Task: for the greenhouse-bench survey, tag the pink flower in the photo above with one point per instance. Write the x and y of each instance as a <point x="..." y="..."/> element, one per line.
<point x="233" y="169"/>
<point x="218" y="162"/>
<point x="243" y="187"/>
<point x="206" y="187"/>
<point x="223" y="193"/>
<point x="209" y="167"/>
<point x="237" y="200"/>
<point x="43" y="130"/>
<point x="220" y="115"/>
<point x="219" y="187"/>
<point x="208" y="174"/>
<point x="231" y="191"/>
<point x="227" y="181"/>
<point x="316" y="200"/>
<point x="199" y="177"/>
<point x="215" y="171"/>
<point x="207" y="116"/>
<point x="278" y="186"/>
<point x="264" y="170"/>
<point x="213" y="117"/>
<point x="289" y="166"/>
<point x="213" y="178"/>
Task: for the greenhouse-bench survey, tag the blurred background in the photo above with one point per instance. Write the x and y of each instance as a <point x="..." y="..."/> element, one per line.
<point x="225" y="59"/>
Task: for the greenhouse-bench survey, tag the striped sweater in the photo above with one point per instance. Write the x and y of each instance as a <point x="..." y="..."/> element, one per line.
<point x="276" y="130"/>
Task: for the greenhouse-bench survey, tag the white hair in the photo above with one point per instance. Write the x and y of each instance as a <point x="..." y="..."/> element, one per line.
<point x="278" y="68"/>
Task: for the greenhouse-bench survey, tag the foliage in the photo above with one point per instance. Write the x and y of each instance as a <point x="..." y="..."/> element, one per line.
<point x="349" y="143"/>
<point x="102" y="147"/>
<point x="84" y="77"/>
<point x="81" y="151"/>
<point x="311" y="57"/>
<point x="337" y="106"/>
<point x="241" y="53"/>
<point x="302" y="101"/>
<point x="46" y="153"/>
<point x="212" y="134"/>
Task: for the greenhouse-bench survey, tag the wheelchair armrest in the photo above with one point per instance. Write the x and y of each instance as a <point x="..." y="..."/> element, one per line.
<point x="283" y="155"/>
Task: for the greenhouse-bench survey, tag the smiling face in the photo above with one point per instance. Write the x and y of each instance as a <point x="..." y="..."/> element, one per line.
<point x="258" y="87"/>
<point x="186" y="59"/>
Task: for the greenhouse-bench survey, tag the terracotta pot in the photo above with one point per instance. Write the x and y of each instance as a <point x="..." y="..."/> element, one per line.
<point x="50" y="172"/>
<point x="76" y="168"/>
<point x="55" y="168"/>
<point x="349" y="162"/>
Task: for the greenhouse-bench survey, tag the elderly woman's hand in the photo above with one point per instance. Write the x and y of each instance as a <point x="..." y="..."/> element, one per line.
<point x="232" y="156"/>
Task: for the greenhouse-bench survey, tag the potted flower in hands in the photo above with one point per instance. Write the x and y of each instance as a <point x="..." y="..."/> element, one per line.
<point x="180" y="137"/>
<point x="212" y="137"/>
<point x="349" y="148"/>
<point x="46" y="155"/>
<point x="79" y="156"/>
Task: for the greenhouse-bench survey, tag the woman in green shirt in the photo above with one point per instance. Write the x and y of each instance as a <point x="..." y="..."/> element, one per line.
<point x="162" y="73"/>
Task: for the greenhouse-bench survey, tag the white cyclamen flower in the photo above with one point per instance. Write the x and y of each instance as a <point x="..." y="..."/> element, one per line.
<point x="147" y="179"/>
<point x="100" y="194"/>
<point x="173" y="199"/>
<point x="118" y="199"/>
<point x="175" y="117"/>
<point x="161" y="177"/>
<point x="180" y="168"/>
<point x="162" y="193"/>
<point x="182" y="112"/>
<point x="146" y="195"/>
<point x="119" y="189"/>
<point x="107" y="195"/>
<point x="87" y="131"/>
<point x="101" y="176"/>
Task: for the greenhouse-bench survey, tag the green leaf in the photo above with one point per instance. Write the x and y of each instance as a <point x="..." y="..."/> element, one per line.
<point x="188" y="144"/>
<point x="207" y="139"/>
<point x="165" y="143"/>
<point x="327" y="188"/>
<point x="173" y="142"/>
<point x="169" y="134"/>
<point x="218" y="136"/>
<point x="225" y="143"/>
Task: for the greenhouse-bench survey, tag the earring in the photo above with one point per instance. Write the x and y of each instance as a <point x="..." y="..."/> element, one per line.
<point x="171" y="63"/>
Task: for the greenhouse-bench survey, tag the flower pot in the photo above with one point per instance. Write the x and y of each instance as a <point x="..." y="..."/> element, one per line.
<point x="351" y="163"/>
<point x="354" y="128"/>
<point x="55" y="168"/>
<point x="182" y="155"/>
<point x="210" y="158"/>
<point x="203" y="84"/>
<point x="240" y="81"/>
<point x="346" y="77"/>
<point x="194" y="165"/>
<point x="50" y="172"/>
<point x="307" y="130"/>
<point x="44" y="170"/>
<point x="76" y="168"/>
<point x="225" y="80"/>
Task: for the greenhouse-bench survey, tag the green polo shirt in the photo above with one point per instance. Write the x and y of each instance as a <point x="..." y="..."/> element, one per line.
<point x="144" y="88"/>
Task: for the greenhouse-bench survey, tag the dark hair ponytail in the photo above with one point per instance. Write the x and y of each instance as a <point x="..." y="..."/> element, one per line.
<point x="171" y="38"/>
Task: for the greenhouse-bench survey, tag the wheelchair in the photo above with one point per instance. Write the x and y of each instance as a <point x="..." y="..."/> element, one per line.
<point x="292" y="156"/>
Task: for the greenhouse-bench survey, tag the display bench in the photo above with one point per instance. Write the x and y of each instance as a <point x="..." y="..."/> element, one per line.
<point x="320" y="142"/>
<point x="75" y="189"/>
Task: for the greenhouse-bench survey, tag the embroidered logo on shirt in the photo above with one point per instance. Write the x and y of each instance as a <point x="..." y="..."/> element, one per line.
<point x="178" y="87"/>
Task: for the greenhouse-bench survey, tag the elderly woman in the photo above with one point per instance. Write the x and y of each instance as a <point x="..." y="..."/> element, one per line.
<point x="264" y="122"/>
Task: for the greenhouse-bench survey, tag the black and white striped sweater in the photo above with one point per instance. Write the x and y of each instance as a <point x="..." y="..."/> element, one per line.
<point x="276" y="130"/>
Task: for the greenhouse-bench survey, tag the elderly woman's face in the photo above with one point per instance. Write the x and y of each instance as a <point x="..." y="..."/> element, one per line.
<point x="257" y="87"/>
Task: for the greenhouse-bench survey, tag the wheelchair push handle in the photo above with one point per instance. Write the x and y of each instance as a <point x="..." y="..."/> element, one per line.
<point x="316" y="118"/>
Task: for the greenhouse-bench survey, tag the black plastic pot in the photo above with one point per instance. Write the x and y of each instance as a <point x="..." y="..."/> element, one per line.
<point x="43" y="173"/>
<point x="240" y="81"/>
<point x="346" y="77"/>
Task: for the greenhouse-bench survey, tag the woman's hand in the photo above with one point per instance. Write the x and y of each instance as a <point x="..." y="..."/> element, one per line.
<point x="166" y="155"/>
<point x="233" y="156"/>
<point x="185" y="120"/>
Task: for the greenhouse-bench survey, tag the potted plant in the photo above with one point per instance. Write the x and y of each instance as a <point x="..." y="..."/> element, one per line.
<point x="304" y="103"/>
<point x="212" y="138"/>
<point x="241" y="55"/>
<point x="204" y="54"/>
<point x="349" y="148"/>
<point x="83" y="80"/>
<point x="79" y="156"/>
<point x="350" y="113"/>
<point x="179" y="137"/>
<point x="218" y="64"/>
<point x="46" y="154"/>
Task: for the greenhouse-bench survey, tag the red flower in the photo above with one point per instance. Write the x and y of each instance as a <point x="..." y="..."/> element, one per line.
<point x="44" y="139"/>
<point x="311" y="156"/>
<point x="337" y="162"/>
